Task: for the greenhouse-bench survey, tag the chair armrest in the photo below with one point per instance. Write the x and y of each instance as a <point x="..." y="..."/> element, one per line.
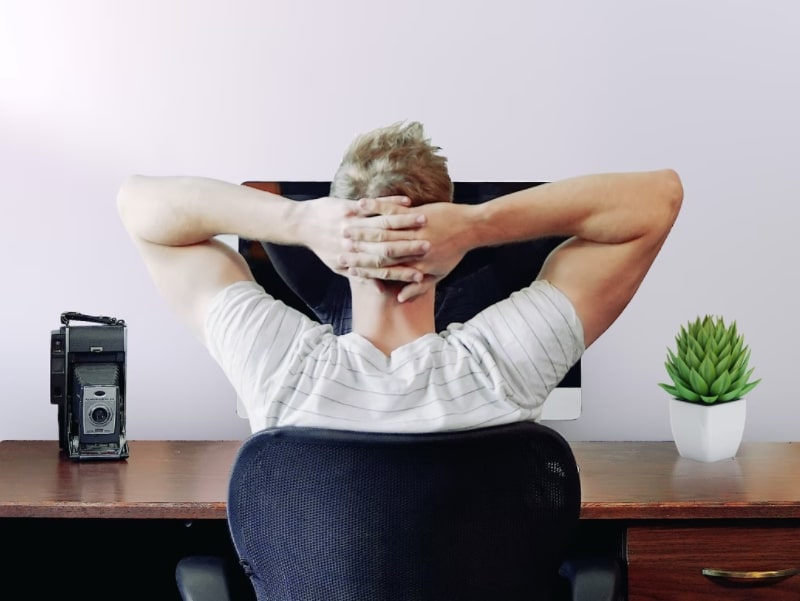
<point x="595" y="579"/>
<point x="203" y="578"/>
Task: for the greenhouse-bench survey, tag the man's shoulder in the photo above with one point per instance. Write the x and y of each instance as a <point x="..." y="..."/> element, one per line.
<point x="237" y="292"/>
<point x="245" y="304"/>
<point x="540" y="302"/>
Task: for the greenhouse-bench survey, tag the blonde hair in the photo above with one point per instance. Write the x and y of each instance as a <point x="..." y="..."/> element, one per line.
<point x="394" y="160"/>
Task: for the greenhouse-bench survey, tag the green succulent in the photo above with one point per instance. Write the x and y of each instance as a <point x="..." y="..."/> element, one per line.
<point x="710" y="363"/>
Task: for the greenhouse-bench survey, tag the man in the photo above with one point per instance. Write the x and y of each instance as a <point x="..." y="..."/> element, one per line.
<point x="393" y="372"/>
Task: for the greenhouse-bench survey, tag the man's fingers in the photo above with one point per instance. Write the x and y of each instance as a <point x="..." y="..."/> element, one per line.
<point x="385" y="205"/>
<point x="406" y="223"/>
<point x="415" y="289"/>
<point x="399" y="251"/>
<point x="397" y="273"/>
<point x="395" y="199"/>
<point x="368" y="261"/>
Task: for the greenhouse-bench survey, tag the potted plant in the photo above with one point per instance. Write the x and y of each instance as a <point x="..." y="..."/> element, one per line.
<point x="710" y="379"/>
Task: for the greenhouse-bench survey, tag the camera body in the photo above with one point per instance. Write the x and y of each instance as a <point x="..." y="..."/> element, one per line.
<point x="87" y="382"/>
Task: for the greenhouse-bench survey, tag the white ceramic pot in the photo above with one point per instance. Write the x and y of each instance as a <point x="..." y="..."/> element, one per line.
<point x="707" y="432"/>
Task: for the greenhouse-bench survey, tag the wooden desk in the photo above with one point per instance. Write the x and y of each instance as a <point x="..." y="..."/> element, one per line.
<point x="184" y="480"/>
<point x="675" y="515"/>
<point x="187" y="480"/>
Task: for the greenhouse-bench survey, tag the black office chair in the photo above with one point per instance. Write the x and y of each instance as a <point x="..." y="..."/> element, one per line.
<point x="328" y="515"/>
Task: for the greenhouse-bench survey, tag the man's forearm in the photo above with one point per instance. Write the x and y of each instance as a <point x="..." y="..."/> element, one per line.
<point x="607" y="209"/>
<point x="178" y="211"/>
<point x="604" y="208"/>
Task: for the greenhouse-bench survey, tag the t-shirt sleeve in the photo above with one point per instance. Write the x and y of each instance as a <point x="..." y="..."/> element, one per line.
<point x="250" y="334"/>
<point x="533" y="338"/>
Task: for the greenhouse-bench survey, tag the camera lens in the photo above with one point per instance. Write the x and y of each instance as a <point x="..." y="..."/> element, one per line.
<point x="100" y="415"/>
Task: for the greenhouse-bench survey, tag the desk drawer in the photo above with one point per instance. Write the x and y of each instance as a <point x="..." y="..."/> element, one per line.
<point x="666" y="563"/>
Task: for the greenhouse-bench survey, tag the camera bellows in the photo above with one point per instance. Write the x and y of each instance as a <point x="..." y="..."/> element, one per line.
<point x="100" y="374"/>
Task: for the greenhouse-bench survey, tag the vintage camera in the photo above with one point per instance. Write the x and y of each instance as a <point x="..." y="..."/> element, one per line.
<point x="87" y="382"/>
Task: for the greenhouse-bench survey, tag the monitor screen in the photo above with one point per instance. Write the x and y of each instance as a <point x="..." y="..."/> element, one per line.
<point x="524" y="262"/>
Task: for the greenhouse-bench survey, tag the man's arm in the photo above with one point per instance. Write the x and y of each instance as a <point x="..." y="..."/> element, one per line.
<point x="173" y="222"/>
<point x="617" y="223"/>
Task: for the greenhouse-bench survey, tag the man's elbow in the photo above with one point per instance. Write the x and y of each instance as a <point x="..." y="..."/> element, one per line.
<point x="670" y="197"/>
<point x="126" y="199"/>
<point x="674" y="190"/>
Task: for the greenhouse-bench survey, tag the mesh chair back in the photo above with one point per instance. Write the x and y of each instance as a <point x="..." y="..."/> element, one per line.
<point x="323" y="515"/>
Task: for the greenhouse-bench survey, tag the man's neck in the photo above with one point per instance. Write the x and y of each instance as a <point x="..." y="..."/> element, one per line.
<point x="386" y="323"/>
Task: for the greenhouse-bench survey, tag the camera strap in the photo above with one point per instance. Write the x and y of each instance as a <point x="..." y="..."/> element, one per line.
<point x="73" y="316"/>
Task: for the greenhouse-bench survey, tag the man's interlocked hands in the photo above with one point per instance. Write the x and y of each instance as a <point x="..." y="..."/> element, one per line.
<point x="385" y="238"/>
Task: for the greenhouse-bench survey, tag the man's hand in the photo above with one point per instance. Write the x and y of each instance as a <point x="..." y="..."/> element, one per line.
<point x="333" y="231"/>
<point x="445" y="228"/>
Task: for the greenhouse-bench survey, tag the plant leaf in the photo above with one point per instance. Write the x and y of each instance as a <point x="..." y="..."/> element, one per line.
<point x="707" y="371"/>
<point x="696" y="348"/>
<point x="730" y="396"/>
<point x="722" y="384"/>
<point x="686" y="394"/>
<point x="749" y="387"/>
<point x="670" y="389"/>
<point x="683" y="369"/>
<point x="699" y="385"/>
<point x="741" y="360"/>
<point x="738" y="343"/>
<point x="703" y="337"/>
<point x="724" y="363"/>
<point x="676" y="375"/>
<point x="720" y="335"/>
<point x="692" y="360"/>
<point x="742" y="380"/>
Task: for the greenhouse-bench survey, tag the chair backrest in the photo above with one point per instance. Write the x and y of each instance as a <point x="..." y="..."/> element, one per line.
<point x="328" y="515"/>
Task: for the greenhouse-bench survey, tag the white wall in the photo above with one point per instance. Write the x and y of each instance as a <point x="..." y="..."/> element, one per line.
<point x="93" y="90"/>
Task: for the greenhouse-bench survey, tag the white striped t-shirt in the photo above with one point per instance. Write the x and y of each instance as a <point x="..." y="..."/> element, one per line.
<point x="496" y="368"/>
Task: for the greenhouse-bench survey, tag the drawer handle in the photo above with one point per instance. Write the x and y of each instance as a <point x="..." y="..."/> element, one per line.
<point x="773" y="575"/>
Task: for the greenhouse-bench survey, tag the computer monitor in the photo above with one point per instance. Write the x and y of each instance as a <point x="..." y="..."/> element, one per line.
<point x="523" y="262"/>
